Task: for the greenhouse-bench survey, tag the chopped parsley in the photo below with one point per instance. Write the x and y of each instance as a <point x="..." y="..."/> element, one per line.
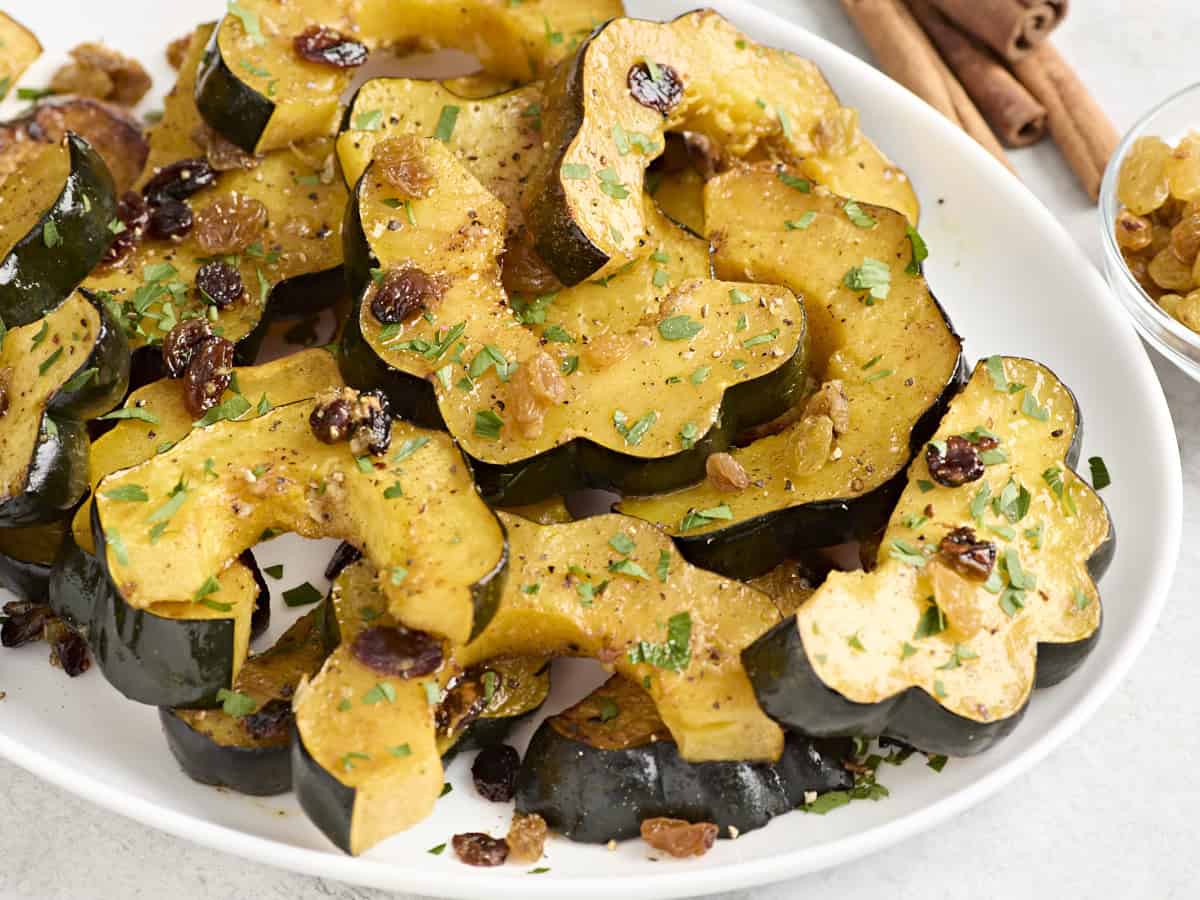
<point x="920" y="251"/>
<point x="801" y="223"/>
<point x="858" y="216"/>
<point x="369" y="120"/>
<point x="663" y="569"/>
<point x="1100" y="477"/>
<point x="446" y="122"/>
<point x="235" y="703"/>
<point x="622" y="543"/>
<point x="932" y="621"/>
<point x="488" y="424"/>
<point x="127" y="493"/>
<point x="303" y="594"/>
<point x="803" y="185"/>
<point x="675" y="654"/>
<point x="698" y="518"/>
<point x="679" y="328"/>
<point x="872" y="276"/>
<point x="381" y="693"/>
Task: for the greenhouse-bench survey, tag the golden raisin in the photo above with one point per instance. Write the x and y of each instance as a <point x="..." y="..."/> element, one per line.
<point x="1185" y="239"/>
<point x="222" y="155"/>
<point x="831" y="401"/>
<point x="230" y="224"/>
<point x="679" y="838"/>
<point x="401" y="164"/>
<point x="99" y="71"/>
<point x="524" y="271"/>
<point x="1142" y="185"/>
<point x="537" y="386"/>
<point x="813" y="439"/>
<point x="526" y="838"/>
<point x="725" y="473"/>
<point x="1183" y="168"/>
<point x="1133" y="232"/>
<point x="956" y="596"/>
<point x="605" y="350"/>
<point x="837" y="133"/>
<point x="1187" y="310"/>
<point x="177" y="50"/>
<point x="1168" y="272"/>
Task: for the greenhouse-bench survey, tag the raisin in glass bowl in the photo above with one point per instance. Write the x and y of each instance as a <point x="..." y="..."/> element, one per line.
<point x="1171" y="121"/>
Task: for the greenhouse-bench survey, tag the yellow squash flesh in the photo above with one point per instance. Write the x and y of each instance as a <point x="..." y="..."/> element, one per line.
<point x="892" y="357"/>
<point x="418" y="520"/>
<point x="750" y="99"/>
<point x="861" y="630"/>
<point x="522" y="41"/>
<point x="459" y="237"/>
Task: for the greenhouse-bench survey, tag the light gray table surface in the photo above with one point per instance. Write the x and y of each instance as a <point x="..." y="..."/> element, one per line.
<point x="1110" y="814"/>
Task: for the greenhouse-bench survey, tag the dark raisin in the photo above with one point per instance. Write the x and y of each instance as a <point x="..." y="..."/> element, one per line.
<point x="332" y="419"/>
<point x="68" y="650"/>
<point x="396" y="650"/>
<point x="133" y="215"/>
<point x="3" y="401"/>
<point x="345" y="556"/>
<point x="660" y="88"/>
<point x="495" y="772"/>
<point x="476" y="849"/>
<point x="169" y="219"/>
<point x="26" y="622"/>
<point x="272" y="721"/>
<point x="957" y="464"/>
<point x="372" y="425"/>
<point x="220" y="283"/>
<point x="208" y="375"/>
<point x="178" y="181"/>
<point x="968" y="555"/>
<point x="403" y="294"/>
<point x="181" y="343"/>
<point x="321" y="44"/>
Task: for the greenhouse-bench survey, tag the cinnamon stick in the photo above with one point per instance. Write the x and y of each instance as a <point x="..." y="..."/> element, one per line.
<point x="906" y="54"/>
<point x="1013" y="28"/>
<point x="1014" y="114"/>
<point x="1084" y="134"/>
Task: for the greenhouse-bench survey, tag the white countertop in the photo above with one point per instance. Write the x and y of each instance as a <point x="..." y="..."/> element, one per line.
<point x="1109" y="814"/>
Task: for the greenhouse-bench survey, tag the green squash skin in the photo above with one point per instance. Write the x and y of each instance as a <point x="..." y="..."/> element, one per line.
<point x="148" y="658"/>
<point x="790" y="691"/>
<point x="559" y="241"/>
<point x="57" y="478"/>
<point x="35" y="279"/>
<point x="754" y="546"/>
<point x="255" y="771"/>
<point x="231" y="107"/>
<point x="23" y="579"/>
<point x="327" y="802"/>
<point x="593" y="796"/>
<point x="580" y="463"/>
<point x="75" y="581"/>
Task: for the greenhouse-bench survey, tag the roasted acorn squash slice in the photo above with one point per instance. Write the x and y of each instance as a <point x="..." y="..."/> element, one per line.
<point x="607" y="587"/>
<point x="255" y="89"/>
<point x="56" y="373"/>
<point x="21" y="50"/>
<point x="293" y="264"/>
<point x="982" y="591"/>
<point x="632" y="81"/>
<point x="27" y="557"/>
<point x="889" y="364"/>
<point x="368" y="754"/>
<point x="595" y="771"/>
<point x="645" y="388"/>
<point x="58" y="206"/>
<point x="412" y="511"/>
<point x="130" y="644"/>
<point x="245" y="744"/>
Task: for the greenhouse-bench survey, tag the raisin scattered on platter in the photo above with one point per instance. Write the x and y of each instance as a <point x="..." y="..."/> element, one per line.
<point x="495" y="772"/>
<point x="477" y="849"/>
<point x="208" y="375"/>
<point x="322" y="44"/>
<point x="955" y="465"/>
<point x="399" y="651"/>
<point x="659" y="88"/>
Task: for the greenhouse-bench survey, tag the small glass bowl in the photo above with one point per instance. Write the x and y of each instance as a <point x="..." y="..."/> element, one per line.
<point x="1170" y="120"/>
